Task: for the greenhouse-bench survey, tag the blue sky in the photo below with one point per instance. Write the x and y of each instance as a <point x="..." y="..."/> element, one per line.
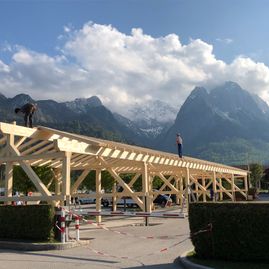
<point x="230" y="36"/>
<point x="37" y="24"/>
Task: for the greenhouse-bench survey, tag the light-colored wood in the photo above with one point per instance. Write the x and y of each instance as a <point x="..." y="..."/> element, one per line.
<point x="114" y="197"/>
<point x="66" y="178"/>
<point x="98" y="177"/>
<point x="43" y="156"/>
<point x="128" y="190"/>
<point x="34" y="148"/>
<point x="146" y="189"/>
<point x="8" y="180"/>
<point x="79" y="180"/>
<point x="214" y="185"/>
<point x="45" y="146"/>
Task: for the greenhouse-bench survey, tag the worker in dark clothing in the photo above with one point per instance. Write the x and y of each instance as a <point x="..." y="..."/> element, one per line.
<point x="179" y="143"/>
<point x="28" y="111"/>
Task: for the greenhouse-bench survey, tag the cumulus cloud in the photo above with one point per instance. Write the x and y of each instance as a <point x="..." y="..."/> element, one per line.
<point x="123" y="69"/>
<point x="226" y="41"/>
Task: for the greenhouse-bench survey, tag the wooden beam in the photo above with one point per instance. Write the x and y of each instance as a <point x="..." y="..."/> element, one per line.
<point x="146" y="188"/>
<point x="98" y="177"/>
<point x="66" y="178"/>
<point x="214" y="185"/>
<point x="43" y="156"/>
<point x="20" y="141"/>
<point x="79" y="180"/>
<point x="76" y="146"/>
<point x="8" y="180"/>
<point x="128" y="190"/>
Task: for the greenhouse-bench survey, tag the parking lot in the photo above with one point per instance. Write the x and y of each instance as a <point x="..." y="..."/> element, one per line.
<point x="126" y="243"/>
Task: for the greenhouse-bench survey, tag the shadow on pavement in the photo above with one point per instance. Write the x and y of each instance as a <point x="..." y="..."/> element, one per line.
<point x="50" y="255"/>
<point x="175" y="265"/>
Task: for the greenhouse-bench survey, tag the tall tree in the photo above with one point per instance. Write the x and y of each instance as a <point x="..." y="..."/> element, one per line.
<point x="256" y="174"/>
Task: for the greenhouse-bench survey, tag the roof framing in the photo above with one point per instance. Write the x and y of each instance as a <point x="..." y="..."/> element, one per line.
<point x="63" y="151"/>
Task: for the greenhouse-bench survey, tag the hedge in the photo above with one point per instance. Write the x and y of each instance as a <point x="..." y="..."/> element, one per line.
<point x="240" y="231"/>
<point x="31" y="222"/>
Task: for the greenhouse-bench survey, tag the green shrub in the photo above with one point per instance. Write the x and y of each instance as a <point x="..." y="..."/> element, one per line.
<point x="32" y="222"/>
<point x="240" y="231"/>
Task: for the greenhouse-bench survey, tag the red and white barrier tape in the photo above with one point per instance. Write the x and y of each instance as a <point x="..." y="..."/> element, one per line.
<point x="133" y="214"/>
<point x="119" y="232"/>
<point x="140" y="256"/>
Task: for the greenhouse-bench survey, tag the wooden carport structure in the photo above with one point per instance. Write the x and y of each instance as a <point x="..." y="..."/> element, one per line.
<point x="64" y="152"/>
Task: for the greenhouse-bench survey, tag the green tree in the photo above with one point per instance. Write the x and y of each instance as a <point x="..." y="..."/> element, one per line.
<point x="22" y="183"/>
<point x="89" y="182"/>
<point x="256" y="174"/>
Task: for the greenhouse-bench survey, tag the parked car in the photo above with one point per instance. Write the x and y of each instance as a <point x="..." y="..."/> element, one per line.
<point x="88" y="200"/>
<point x="162" y="200"/>
<point x="127" y="201"/>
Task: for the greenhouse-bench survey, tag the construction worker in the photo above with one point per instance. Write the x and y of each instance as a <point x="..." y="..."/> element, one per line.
<point x="28" y="111"/>
<point x="179" y="142"/>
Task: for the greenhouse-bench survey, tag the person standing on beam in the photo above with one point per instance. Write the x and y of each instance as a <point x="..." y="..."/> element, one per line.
<point x="28" y="111"/>
<point x="179" y="142"/>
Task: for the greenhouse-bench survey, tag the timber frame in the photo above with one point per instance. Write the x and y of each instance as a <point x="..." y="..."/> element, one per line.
<point x="65" y="152"/>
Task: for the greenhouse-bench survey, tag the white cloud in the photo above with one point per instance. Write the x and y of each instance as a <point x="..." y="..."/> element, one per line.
<point x="125" y="68"/>
<point x="226" y="41"/>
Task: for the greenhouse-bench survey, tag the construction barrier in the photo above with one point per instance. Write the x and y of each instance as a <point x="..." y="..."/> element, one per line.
<point x="130" y="214"/>
<point x="77" y="226"/>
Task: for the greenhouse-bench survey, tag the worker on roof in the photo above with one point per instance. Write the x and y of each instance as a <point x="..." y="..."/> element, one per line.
<point x="28" y="111"/>
<point x="179" y="143"/>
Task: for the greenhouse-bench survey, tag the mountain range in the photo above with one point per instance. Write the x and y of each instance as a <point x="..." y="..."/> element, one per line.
<point x="226" y="124"/>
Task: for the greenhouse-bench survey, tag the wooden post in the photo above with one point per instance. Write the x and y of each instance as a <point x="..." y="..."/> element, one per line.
<point x="246" y="186"/>
<point x="181" y="190"/>
<point x="66" y="179"/>
<point x="8" y="180"/>
<point x="221" y="191"/>
<point x="204" y="192"/>
<point x="58" y="179"/>
<point x="145" y="186"/>
<point x="214" y="186"/>
<point x="9" y="170"/>
<point x="98" y="177"/>
<point x="187" y="182"/>
<point x="114" y="197"/>
<point x="178" y="187"/>
<point x="58" y="182"/>
<point x="196" y="188"/>
<point x="151" y="177"/>
<point x="232" y="187"/>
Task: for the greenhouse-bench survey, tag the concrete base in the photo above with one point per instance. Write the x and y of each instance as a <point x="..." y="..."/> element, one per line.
<point x="25" y="246"/>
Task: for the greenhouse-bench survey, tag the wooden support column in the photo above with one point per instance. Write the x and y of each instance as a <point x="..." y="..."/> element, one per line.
<point x="9" y="169"/>
<point x="196" y="188"/>
<point x="58" y="180"/>
<point x="221" y="191"/>
<point x="114" y="197"/>
<point x="8" y="180"/>
<point x="178" y="188"/>
<point x="151" y="177"/>
<point x="232" y="187"/>
<point x="181" y="187"/>
<point x="214" y="186"/>
<point x="66" y="179"/>
<point x="187" y="182"/>
<point x="145" y="190"/>
<point x="98" y="176"/>
<point x="246" y="186"/>
<point x="204" y="191"/>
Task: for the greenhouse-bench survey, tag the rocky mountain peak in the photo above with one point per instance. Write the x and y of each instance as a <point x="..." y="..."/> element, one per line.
<point x="21" y="99"/>
<point x="80" y="105"/>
